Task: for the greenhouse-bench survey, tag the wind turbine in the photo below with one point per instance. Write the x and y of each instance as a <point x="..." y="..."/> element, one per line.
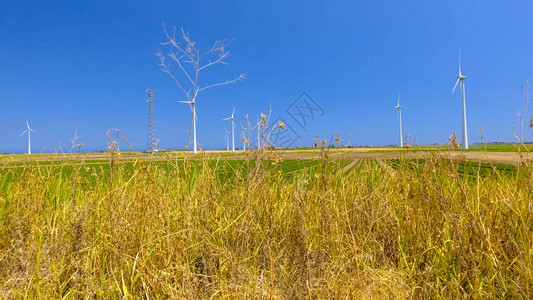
<point x="461" y="79"/>
<point x="399" y="108"/>
<point x="258" y="126"/>
<point x="232" y="130"/>
<point x="28" y="130"/>
<point x="227" y="139"/>
<point x="192" y="104"/>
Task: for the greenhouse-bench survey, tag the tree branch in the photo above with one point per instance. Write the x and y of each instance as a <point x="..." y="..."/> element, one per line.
<point x="178" y="60"/>
<point x="241" y="77"/>
<point x="218" y="61"/>
<point x="165" y="69"/>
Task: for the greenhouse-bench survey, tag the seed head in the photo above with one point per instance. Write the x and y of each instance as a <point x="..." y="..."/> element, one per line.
<point x="281" y="125"/>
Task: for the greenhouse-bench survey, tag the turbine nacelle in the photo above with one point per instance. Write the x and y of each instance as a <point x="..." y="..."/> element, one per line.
<point x="460" y="77"/>
<point x="398" y="106"/>
<point x="191" y="105"/>
<point x="28" y="129"/>
<point x="230" y="118"/>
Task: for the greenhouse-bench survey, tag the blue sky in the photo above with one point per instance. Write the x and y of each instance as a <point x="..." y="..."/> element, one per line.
<point x="86" y="65"/>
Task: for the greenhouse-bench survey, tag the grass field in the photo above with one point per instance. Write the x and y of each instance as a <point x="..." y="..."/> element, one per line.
<point x="262" y="225"/>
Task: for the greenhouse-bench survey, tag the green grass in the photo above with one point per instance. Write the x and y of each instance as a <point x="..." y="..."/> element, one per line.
<point x="472" y="169"/>
<point x="226" y="168"/>
<point x="501" y="148"/>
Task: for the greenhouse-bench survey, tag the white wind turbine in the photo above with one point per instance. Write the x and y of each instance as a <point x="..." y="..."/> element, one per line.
<point x="192" y="104"/>
<point x="227" y="139"/>
<point x="461" y="79"/>
<point x="399" y="108"/>
<point x="28" y="130"/>
<point x="232" y="130"/>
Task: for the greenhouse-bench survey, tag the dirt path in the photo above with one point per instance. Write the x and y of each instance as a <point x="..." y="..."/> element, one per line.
<point x="349" y="166"/>
<point x="354" y="154"/>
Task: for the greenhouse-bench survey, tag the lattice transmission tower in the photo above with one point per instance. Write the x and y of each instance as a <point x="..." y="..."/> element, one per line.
<point x="151" y="126"/>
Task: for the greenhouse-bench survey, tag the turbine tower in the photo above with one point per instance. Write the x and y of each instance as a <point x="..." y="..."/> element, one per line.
<point x="461" y="79"/>
<point x="399" y="108"/>
<point x="232" y="130"/>
<point x="227" y="139"/>
<point x="192" y="104"/>
<point x="28" y="130"/>
<point x="150" y="142"/>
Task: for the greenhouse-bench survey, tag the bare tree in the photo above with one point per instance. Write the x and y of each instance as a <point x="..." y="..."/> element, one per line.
<point x="525" y="90"/>
<point x="184" y="55"/>
<point x="73" y="141"/>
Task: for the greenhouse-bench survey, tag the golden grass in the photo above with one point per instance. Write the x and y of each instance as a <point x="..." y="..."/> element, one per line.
<point x="374" y="232"/>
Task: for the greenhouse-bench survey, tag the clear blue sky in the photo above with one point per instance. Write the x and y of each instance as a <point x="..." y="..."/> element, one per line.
<point x="86" y="65"/>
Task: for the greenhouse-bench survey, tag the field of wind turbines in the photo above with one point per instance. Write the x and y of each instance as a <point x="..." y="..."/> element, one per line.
<point x="237" y="195"/>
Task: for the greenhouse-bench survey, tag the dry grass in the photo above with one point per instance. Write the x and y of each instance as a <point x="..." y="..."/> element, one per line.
<point x="416" y="230"/>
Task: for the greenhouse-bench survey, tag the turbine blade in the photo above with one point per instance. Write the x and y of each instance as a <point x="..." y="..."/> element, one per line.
<point x="23" y="132"/>
<point x="226" y="119"/>
<point x="233" y="112"/>
<point x="456" y="85"/>
<point x="27" y="125"/>
<point x="33" y="130"/>
<point x="459" y="61"/>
